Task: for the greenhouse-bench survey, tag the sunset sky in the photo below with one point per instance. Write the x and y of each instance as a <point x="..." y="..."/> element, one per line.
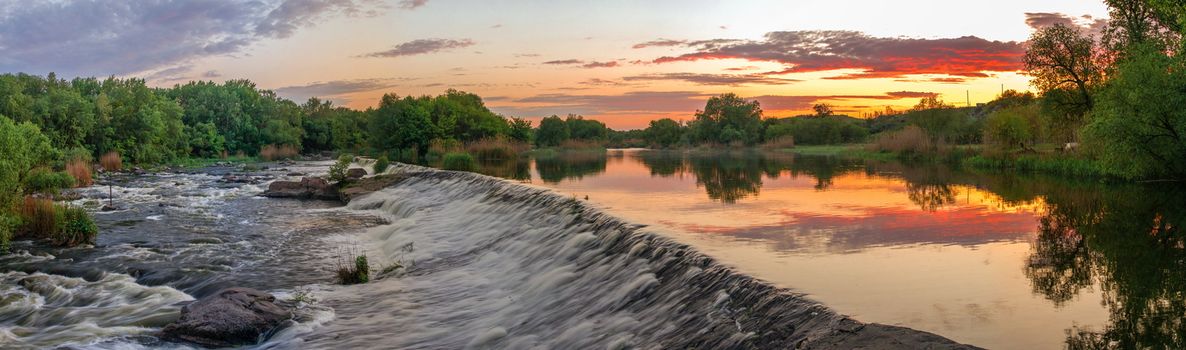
<point x="622" y="62"/>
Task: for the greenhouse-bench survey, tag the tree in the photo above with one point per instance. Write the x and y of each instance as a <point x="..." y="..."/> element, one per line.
<point x="552" y="132"/>
<point x="663" y="132"/>
<point x="400" y="124"/>
<point x="822" y="110"/>
<point x="939" y="119"/>
<point x="1063" y="65"/>
<point x="1139" y="128"/>
<point x="1009" y="127"/>
<point x="521" y="130"/>
<point x="728" y="118"/>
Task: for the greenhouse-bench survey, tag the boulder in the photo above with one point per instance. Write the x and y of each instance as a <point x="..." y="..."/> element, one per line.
<point x="355" y="173"/>
<point x="231" y="317"/>
<point x="368" y="185"/>
<point x="308" y="187"/>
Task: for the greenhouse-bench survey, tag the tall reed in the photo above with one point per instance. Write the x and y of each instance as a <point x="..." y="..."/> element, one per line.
<point x="81" y="171"/>
<point x="111" y="161"/>
<point x="274" y="152"/>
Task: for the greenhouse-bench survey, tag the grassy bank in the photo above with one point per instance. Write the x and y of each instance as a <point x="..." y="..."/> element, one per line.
<point x="1045" y="160"/>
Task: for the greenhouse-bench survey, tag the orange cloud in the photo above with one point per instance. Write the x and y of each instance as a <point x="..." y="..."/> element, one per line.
<point x="817" y="51"/>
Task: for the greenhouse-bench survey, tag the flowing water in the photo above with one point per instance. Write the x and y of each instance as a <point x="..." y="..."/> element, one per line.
<point x="467" y="261"/>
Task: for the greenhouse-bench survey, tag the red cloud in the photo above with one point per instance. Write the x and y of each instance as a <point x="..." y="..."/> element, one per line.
<point x="815" y="51"/>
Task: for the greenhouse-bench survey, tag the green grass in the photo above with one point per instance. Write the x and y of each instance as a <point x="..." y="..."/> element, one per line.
<point x="459" y="161"/>
<point x="1049" y="164"/>
<point x="824" y="150"/>
<point x="205" y="162"/>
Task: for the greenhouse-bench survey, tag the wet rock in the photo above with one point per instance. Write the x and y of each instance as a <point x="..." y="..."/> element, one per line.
<point x="307" y="188"/>
<point x="296" y="174"/>
<point x="368" y="185"/>
<point x="356" y="173"/>
<point x="233" y="316"/>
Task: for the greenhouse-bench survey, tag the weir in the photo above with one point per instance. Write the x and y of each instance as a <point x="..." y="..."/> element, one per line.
<point x="494" y="264"/>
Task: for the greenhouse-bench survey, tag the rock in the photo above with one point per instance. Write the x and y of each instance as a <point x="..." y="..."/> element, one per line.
<point x="368" y="185"/>
<point x="355" y="173"/>
<point x="296" y="174"/>
<point x="308" y="187"/>
<point x="231" y="317"/>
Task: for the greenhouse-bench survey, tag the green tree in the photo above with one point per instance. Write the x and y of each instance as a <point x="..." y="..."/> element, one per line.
<point x="402" y="124"/>
<point x="1063" y="65"/>
<point x="664" y="133"/>
<point x="1009" y="127"/>
<point x="552" y="132"/>
<point x="521" y="130"/>
<point x="728" y="118"/>
<point x="1139" y="127"/>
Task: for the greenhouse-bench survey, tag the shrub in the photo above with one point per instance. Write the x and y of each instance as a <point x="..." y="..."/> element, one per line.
<point x="77" y="228"/>
<point x="911" y="140"/>
<point x="357" y="273"/>
<point x="575" y="144"/>
<point x="80" y="170"/>
<point x="459" y="161"/>
<point x="273" y="152"/>
<point x="438" y="148"/>
<point x="786" y="141"/>
<point x="497" y="148"/>
<point x="42" y="180"/>
<point x="1007" y="128"/>
<point x="39" y="217"/>
<point x="337" y="172"/>
<point x="381" y="164"/>
<point x="7" y="226"/>
<point x="111" y="161"/>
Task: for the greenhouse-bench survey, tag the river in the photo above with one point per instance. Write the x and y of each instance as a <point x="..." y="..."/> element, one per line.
<point x="985" y="259"/>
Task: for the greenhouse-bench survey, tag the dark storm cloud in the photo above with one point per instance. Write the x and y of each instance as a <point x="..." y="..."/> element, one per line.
<point x="1090" y="25"/>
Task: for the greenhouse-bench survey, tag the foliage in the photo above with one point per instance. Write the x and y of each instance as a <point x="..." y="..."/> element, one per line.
<point x="459" y="161"/>
<point x="1009" y="127"/>
<point x="817" y="130"/>
<point x="496" y="148"/>
<point x="521" y="130"/>
<point x="728" y="119"/>
<point x="403" y="124"/>
<point x="357" y="272"/>
<point x="1062" y="62"/>
<point x="910" y="141"/>
<point x="337" y="172"/>
<point x="44" y="180"/>
<point x="381" y="164"/>
<point x="77" y="228"/>
<point x="1139" y="127"/>
<point x="111" y="161"/>
<point x="24" y="148"/>
<point x="274" y="152"/>
<point x="664" y="133"/>
<point x="552" y="131"/>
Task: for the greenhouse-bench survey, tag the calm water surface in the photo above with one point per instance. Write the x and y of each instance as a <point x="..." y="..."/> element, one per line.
<point x="1000" y="261"/>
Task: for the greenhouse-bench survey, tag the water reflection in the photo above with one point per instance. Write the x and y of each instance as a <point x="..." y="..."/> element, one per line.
<point x="1118" y="249"/>
<point x="1129" y="238"/>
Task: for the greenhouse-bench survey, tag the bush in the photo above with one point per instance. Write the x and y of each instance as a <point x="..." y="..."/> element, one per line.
<point x="7" y="227"/>
<point x="77" y="228"/>
<point x="438" y="148"/>
<point x="459" y="161"/>
<point x="1008" y="128"/>
<point x="337" y="172"/>
<point x="80" y="170"/>
<point x="39" y="217"/>
<point x="42" y="180"/>
<point x="782" y="142"/>
<point x="273" y="152"/>
<point x="111" y="161"/>
<point x="497" y="148"/>
<point x="911" y="140"/>
<point x="357" y="273"/>
<point x="381" y="164"/>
